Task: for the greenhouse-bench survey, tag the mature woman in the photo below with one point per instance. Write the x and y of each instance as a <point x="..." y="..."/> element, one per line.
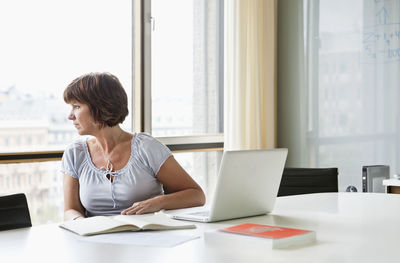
<point x="114" y="171"/>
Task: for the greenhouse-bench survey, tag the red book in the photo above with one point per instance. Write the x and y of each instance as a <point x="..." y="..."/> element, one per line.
<point x="281" y="236"/>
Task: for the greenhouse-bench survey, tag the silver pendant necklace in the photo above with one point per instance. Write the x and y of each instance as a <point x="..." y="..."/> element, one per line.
<point x="108" y="168"/>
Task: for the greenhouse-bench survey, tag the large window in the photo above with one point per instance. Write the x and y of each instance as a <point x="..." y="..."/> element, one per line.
<point x="45" y="45"/>
<point x="351" y="75"/>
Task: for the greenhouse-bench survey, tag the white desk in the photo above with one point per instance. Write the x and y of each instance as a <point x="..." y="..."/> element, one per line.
<point x="350" y="227"/>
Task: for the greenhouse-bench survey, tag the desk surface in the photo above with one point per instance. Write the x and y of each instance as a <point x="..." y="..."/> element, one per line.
<point x="391" y="182"/>
<point x="350" y="227"/>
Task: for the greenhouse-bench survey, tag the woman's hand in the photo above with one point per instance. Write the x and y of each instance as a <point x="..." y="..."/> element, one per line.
<point x="183" y="191"/>
<point x="144" y="207"/>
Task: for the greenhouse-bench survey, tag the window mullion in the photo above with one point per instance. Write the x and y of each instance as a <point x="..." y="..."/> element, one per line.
<point x="146" y="66"/>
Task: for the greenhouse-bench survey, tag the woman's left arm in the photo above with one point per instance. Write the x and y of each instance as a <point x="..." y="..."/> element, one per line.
<point x="183" y="191"/>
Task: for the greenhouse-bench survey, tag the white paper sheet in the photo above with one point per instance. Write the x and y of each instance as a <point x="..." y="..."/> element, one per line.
<point x="147" y="238"/>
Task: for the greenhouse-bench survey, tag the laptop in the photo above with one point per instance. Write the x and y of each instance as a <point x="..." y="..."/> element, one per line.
<point x="247" y="185"/>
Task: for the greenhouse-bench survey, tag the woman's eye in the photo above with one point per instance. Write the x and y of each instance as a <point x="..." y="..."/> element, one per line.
<point x="75" y="106"/>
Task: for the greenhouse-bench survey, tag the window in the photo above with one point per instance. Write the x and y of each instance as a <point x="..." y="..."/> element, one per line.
<point x="46" y="45"/>
<point x="352" y="88"/>
<point x="182" y="85"/>
<point x="42" y="184"/>
<point x="186" y="66"/>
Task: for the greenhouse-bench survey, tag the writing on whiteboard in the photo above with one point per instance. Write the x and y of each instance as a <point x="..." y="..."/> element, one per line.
<point x="381" y="36"/>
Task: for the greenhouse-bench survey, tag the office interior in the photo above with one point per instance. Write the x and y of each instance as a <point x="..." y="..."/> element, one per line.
<point x="318" y="77"/>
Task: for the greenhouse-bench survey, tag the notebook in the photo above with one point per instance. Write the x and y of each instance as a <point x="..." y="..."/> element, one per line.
<point x="247" y="185"/>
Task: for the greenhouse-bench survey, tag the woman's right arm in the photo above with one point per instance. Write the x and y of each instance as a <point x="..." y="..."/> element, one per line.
<point x="73" y="208"/>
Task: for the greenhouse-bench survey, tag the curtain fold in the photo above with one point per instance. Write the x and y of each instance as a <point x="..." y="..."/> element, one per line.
<point x="250" y="74"/>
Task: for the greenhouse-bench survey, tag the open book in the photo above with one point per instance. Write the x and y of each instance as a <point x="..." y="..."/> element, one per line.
<point x="109" y="224"/>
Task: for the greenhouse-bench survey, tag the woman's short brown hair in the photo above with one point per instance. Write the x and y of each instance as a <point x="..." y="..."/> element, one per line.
<point x="103" y="93"/>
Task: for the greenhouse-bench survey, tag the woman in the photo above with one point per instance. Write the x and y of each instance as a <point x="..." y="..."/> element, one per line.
<point x="115" y="171"/>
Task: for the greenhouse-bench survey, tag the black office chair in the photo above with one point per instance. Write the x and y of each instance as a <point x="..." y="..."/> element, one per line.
<point x="14" y="212"/>
<point x="297" y="181"/>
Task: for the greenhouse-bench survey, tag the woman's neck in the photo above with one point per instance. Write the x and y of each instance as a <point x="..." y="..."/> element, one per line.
<point x="108" y="138"/>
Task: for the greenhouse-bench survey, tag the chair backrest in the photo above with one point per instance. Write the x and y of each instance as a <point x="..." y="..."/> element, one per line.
<point x="14" y="212"/>
<point x="297" y="181"/>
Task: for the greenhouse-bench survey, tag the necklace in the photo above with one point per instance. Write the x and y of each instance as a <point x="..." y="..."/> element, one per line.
<point x="109" y="168"/>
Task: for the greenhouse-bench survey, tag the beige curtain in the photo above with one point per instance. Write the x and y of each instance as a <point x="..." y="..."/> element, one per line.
<point x="250" y="74"/>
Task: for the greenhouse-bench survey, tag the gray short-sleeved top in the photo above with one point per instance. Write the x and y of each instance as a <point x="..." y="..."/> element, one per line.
<point x="135" y="182"/>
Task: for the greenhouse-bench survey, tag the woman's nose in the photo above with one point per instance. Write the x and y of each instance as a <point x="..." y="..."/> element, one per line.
<point x="71" y="116"/>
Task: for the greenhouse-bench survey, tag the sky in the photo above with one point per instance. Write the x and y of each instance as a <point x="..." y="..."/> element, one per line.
<point x="45" y="44"/>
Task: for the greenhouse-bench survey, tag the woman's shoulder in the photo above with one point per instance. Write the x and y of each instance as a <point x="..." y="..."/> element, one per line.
<point x="143" y="138"/>
<point x="145" y="142"/>
<point x="74" y="156"/>
<point x="149" y="151"/>
<point x="76" y="147"/>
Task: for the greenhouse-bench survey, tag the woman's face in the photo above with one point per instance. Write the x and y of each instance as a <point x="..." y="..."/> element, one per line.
<point x="82" y="119"/>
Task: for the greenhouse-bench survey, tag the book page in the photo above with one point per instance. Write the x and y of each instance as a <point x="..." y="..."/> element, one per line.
<point x="145" y="238"/>
<point x="96" y="224"/>
<point x="155" y="221"/>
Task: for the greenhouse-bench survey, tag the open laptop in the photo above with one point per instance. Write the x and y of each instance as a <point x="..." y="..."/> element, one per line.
<point x="247" y="185"/>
